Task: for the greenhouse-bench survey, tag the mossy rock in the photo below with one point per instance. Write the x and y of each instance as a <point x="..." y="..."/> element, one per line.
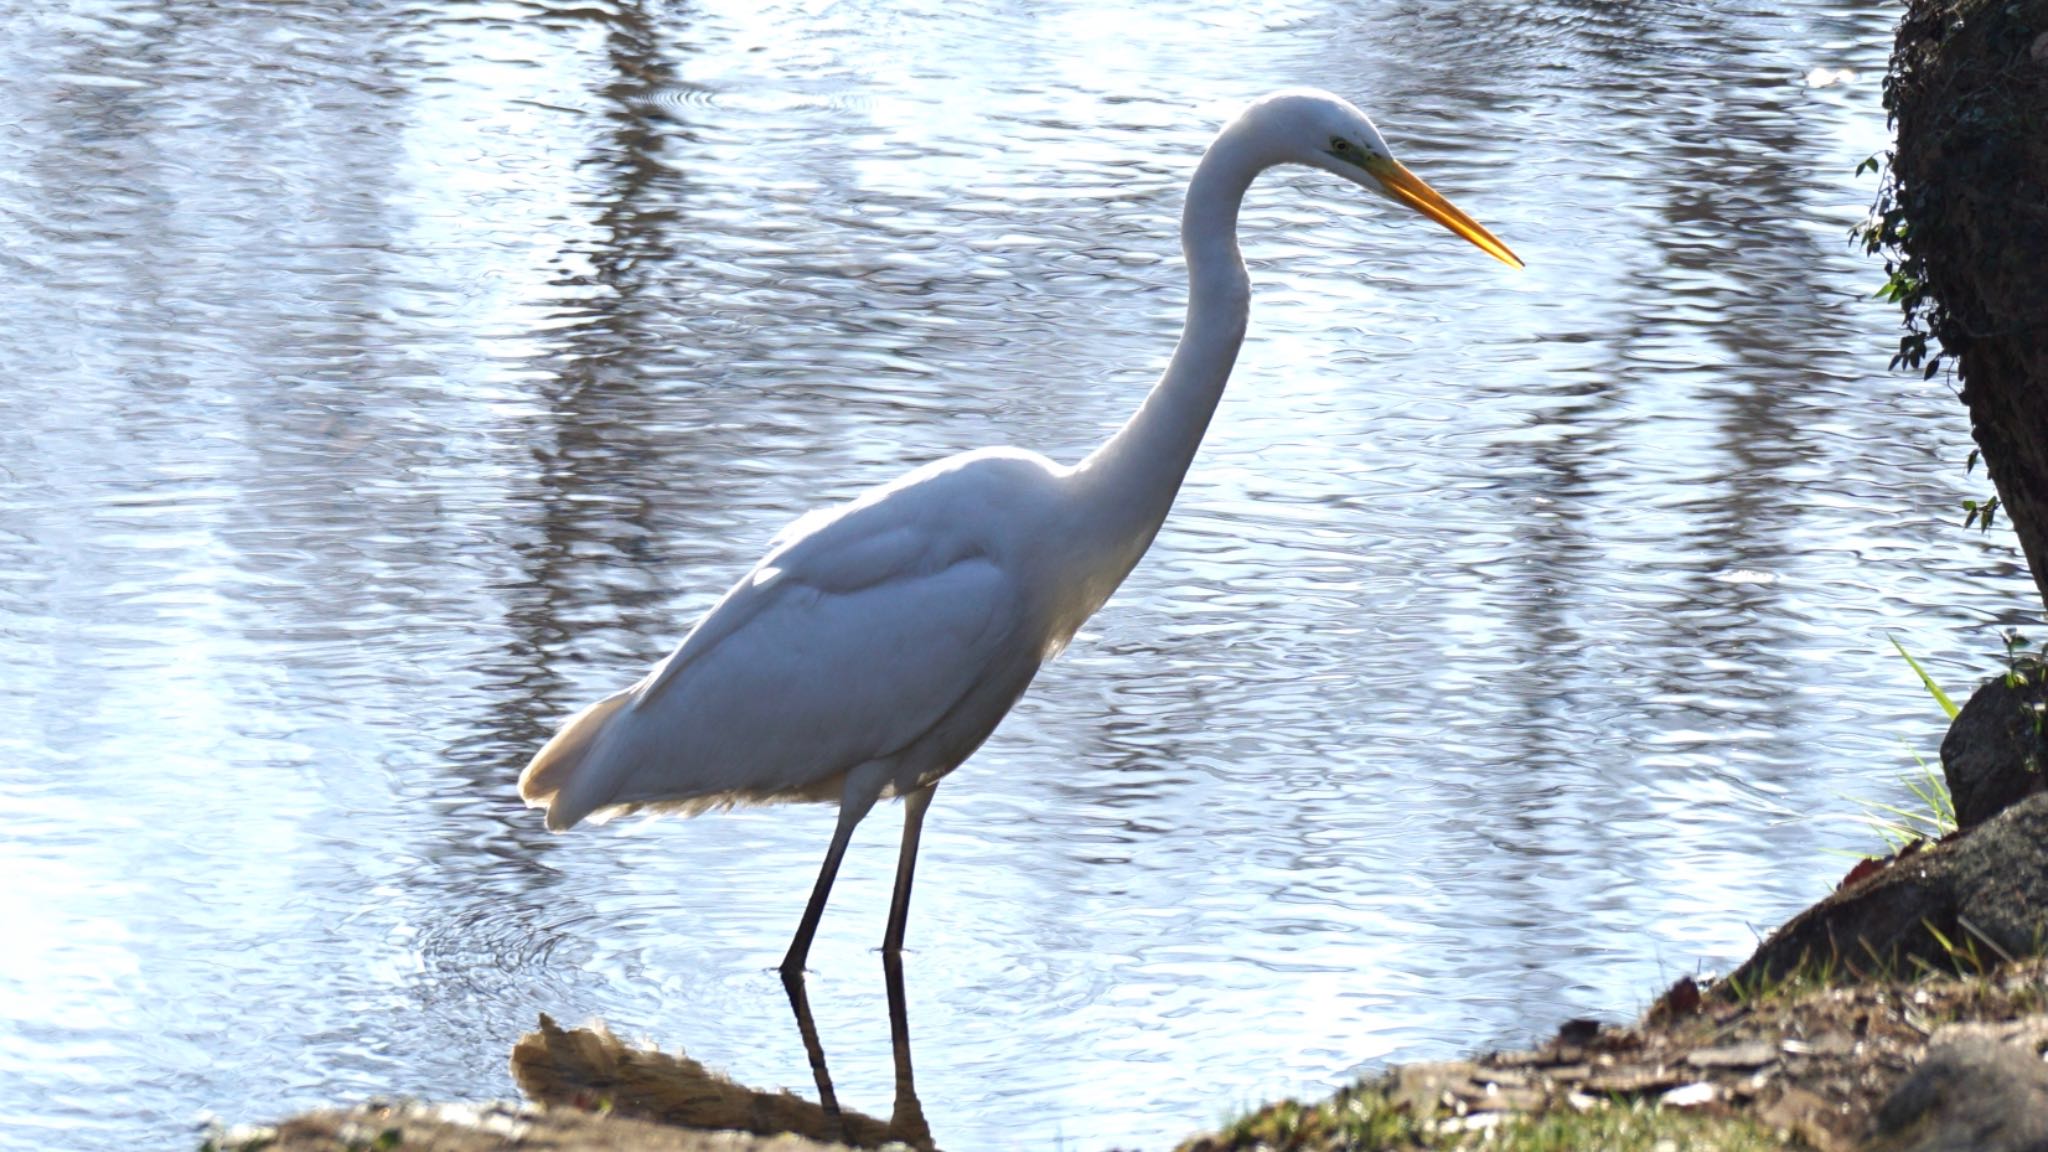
<point x="1996" y="752"/>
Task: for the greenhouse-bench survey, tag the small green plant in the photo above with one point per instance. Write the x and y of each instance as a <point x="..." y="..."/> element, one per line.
<point x="1357" y="1117"/>
<point x="1883" y="233"/>
<point x="1980" y="512"/>
<point x="1931" y="819"/>
<point x="2020" y="664"/>
<point x="1964" y="959"/>
<point x="1811" y="974"/>
<point x="1935" y="815"/>
<point x="1948" y="706"/>
<point x="2023" y="668"/>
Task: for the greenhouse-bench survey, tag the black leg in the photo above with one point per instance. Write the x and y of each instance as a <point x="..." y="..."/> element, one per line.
<point x="906" y="866"/>
<point x="800" y="947"/>
<point x="862" y="785"/>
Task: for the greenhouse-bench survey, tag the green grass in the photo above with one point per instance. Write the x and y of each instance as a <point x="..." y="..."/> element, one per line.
<point x="1931" y="819"/>
<point x="1948" y="706"/>
<point x="1638" y="1128"/>
<point x="1354" y="1118"/>
<point x="1812" y="974"/>
<point x="1362" y="1119"/>
<point x="1935" y="814"/>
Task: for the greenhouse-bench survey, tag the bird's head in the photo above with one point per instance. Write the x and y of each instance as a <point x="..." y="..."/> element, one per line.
<point x="1328" y="132"/>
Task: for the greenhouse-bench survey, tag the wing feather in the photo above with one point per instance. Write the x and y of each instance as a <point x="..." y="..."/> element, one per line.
<point x="799" y="684"/>
<point x="863" y="546"/>
<point x="860" y="634"/>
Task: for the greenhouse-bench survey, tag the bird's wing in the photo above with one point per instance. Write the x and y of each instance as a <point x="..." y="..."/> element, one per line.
<point x="841" y="552"/>
<point x="849" y="644"/>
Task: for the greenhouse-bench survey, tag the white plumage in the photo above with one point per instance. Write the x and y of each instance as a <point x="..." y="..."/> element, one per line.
<point x="893" y="633"/>
<point x="877" y="645"/>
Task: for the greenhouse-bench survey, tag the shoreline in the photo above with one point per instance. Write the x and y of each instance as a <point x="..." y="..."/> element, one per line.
<point x="1832" y="1050"/>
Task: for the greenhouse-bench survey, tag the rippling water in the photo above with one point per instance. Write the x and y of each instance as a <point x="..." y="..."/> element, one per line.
<point x="385" y="380"/>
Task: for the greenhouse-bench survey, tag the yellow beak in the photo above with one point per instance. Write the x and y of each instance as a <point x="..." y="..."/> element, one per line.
<point x="1409" y="189"/>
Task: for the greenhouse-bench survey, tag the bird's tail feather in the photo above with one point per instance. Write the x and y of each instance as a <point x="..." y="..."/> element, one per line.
<point x="555" y="779"/>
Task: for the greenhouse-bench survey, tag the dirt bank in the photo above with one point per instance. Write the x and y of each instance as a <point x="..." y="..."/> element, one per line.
<point x="1793" y="1067"/>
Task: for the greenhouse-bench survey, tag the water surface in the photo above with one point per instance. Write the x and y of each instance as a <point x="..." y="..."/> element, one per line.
<point x="386" y="380"/>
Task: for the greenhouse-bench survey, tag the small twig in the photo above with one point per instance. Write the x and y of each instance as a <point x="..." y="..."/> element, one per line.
<point x="1973" y="930"/>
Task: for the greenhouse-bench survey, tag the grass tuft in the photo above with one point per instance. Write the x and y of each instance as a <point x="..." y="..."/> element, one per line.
<point x="1364" y="1119"/>
<point x="1948" y="706"/>
<point x="1935" y="816"/>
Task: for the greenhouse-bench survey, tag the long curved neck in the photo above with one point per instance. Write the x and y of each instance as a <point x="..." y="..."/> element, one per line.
<point x="1129" y="483"/>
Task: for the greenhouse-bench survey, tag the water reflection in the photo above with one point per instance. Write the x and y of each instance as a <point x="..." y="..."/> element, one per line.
<point x="590" y="1069"/>
<point x="907" y="1124"/>
<point x="387" y="379"/>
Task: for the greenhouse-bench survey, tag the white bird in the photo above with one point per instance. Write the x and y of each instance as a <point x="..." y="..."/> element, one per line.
<point x="877" y="644"/>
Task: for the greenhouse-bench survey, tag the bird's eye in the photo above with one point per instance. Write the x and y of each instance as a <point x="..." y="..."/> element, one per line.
<point x="1339" y="144"/>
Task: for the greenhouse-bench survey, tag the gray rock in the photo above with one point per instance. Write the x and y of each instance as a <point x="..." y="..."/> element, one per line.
<point x="1984" y="893"/>
<point x="1996" y="752"/>
<point x="1971" y="1094"/>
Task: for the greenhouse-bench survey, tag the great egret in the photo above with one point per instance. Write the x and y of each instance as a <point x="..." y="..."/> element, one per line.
<point x="877" y="644"/>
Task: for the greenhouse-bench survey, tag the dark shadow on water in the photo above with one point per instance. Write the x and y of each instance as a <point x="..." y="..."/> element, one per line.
<point x="591" y="1069"/>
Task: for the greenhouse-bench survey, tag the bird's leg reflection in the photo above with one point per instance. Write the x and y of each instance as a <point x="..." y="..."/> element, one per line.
<point x="800" y="948"/>
<point x="906" y="1122"/>
<point x="906" y="1119"/>
<point x="793" y="983"/>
